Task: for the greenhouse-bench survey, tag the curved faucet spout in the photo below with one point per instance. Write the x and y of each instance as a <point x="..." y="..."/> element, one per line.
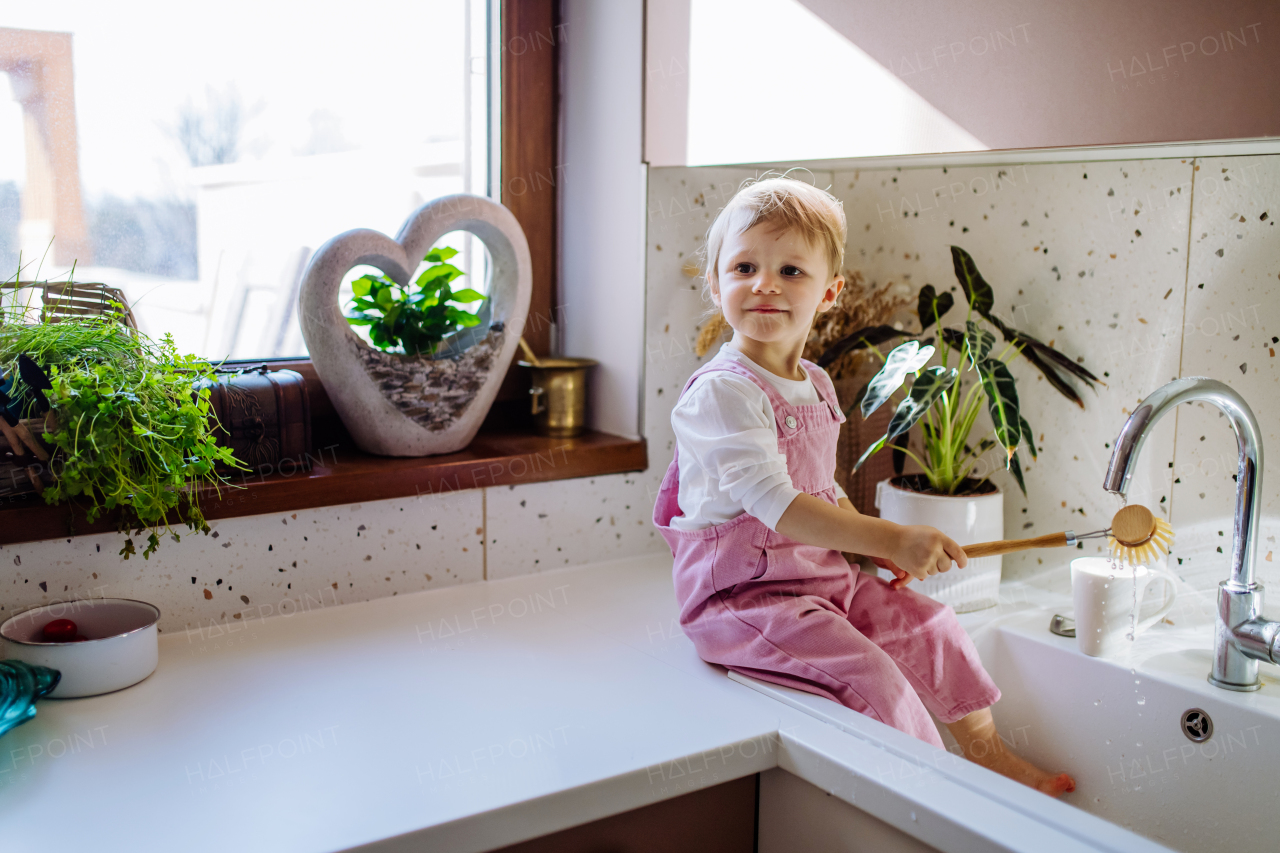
<point x="1248" y="439"/>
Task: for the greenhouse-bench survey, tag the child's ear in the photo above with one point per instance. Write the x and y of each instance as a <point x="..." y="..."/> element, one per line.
<point x="713" y="285"/>
<point x="833" y="292"/>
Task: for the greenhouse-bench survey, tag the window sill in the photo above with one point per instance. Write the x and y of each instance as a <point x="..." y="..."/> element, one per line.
<point x="341" y="474"/>
<point x="503" y="453"/>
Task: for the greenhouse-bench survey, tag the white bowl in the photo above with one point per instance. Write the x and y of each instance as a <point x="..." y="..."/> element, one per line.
<point x="124" y="647"/>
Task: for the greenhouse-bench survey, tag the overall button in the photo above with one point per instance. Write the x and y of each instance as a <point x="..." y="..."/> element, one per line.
<point x="790" y="422"/>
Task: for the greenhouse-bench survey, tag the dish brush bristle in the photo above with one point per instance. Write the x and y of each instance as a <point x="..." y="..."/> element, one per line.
<point x="1160" y="543"/>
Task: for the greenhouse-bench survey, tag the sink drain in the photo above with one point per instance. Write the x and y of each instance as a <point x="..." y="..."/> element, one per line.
<point x="1197" y="726"/>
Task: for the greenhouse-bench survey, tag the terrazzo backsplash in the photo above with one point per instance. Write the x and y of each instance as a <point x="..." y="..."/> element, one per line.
<point x="1143" y="270"/>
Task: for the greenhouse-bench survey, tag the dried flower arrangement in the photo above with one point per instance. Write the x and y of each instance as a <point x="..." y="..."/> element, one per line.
<point x="857" y="307"/>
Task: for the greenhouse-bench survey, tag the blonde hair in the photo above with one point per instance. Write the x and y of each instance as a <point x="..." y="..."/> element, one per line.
<point x="783" y="202"/>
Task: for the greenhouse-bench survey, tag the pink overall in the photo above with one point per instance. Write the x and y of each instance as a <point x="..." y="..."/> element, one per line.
<point x="775" y="609"/>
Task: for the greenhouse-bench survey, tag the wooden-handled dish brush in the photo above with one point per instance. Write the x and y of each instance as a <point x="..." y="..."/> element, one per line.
<point x="1135" y="536"/>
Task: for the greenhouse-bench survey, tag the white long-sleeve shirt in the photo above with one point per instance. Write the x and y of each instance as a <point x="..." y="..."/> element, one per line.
<point x="727" y="443"/>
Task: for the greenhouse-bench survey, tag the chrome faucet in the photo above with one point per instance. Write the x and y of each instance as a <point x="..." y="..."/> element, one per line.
<point x="1242" y="637"/>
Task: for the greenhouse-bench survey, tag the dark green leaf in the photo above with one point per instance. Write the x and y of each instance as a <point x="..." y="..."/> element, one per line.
<point x="1047" y="352"/>
<point x="1016" y="467"/>
<point x="1052" y="375"/>
<point x="872" y="336"/>
<point x="931" y="306"/>
<point x="905" y="358"/>
<point x="870" y="451"/>
<point x="900" y="458"/>
<point x="951" y="337"/>
<point x="925" y="391"/>
<point x="1028" y="436"/>
<point x="977" y="343"/>
<point x="462" y="318"/>
<point x="976" y="290"/>
<point x="1002" y="402"/>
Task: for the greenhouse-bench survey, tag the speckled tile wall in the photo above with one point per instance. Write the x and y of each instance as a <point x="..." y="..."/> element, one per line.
<point x="260" y="566"/>
<point x="1231" y="332"/>
<point x="544" y="526"/>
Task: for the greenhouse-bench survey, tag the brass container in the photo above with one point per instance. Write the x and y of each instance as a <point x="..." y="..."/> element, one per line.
<point x="559" y="395"/>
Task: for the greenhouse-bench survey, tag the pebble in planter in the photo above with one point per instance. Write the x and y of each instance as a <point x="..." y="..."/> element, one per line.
<point x="418" y="405"/>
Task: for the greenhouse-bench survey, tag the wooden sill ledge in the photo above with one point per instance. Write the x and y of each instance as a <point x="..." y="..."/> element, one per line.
<point x="341" y="474"/>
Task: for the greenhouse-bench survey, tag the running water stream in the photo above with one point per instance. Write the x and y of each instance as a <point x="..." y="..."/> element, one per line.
<point x="1116" y="564"/>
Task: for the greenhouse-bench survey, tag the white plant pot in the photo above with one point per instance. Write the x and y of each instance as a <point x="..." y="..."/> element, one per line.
<point x="967" y="519"/>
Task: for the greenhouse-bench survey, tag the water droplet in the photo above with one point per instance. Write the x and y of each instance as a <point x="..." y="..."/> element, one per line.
<point x="913" y="815"/>
<point x="1142" y="700"/>
<point x="1108" y="740"/>
<point x="1097" y="701"/>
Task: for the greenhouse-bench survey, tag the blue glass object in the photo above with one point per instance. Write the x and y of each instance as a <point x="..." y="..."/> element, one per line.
<point x="21" y="684"/>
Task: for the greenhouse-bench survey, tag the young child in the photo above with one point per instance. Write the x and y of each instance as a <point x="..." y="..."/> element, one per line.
<point x="757" y="524"/>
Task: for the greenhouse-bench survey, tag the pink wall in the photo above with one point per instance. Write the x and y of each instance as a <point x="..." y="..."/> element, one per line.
<point x="1079" y="72"/>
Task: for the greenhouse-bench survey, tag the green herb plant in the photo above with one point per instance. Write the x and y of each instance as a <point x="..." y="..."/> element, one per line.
<point x="132" y="418"/>
<point x="946" y="410"/>
<point x="415" y="319"/>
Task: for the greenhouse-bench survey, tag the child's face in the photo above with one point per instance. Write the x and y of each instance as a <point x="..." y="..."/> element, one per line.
<point x="771" y="282"/>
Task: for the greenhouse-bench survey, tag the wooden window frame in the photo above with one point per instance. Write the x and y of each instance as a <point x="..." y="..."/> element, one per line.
<point x="505" y="452"/>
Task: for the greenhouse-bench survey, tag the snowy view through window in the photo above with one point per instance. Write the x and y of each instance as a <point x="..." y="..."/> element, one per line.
<point x="197" y="160"/>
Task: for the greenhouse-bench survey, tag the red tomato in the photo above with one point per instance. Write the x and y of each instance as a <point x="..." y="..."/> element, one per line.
<point x="60" y="631"/>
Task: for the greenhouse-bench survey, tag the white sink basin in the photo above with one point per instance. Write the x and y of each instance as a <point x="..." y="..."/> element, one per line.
<point x="1115" y="725"/>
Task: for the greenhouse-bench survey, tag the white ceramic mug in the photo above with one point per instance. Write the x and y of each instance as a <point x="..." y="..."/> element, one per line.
<point x="1104" y="599"/>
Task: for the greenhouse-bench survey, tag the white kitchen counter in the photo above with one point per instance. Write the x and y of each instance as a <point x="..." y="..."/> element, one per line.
<point x="463" y="719"/>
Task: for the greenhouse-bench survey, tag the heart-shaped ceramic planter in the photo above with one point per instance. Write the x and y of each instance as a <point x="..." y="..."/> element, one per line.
<point x="407" y="405"/>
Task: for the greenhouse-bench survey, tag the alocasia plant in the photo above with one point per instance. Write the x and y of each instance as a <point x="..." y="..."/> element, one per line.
<point x="944" y="409"/>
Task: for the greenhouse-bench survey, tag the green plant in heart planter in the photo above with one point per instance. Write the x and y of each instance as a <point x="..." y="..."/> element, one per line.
<point x="951" y="493"/>
<point x="416" y="320"/>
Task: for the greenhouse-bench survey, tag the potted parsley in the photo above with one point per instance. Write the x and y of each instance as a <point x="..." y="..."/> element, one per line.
<point x="127" y="418"/>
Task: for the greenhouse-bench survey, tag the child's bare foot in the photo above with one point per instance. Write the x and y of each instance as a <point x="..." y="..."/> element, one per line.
<point x="976" y="734"/>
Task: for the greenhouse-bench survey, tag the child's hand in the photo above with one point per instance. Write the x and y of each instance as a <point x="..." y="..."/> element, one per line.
<point x="901" y="578"/>
<point x="922" y="551"/>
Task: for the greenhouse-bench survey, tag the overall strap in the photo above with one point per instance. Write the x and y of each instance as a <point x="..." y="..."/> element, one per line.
<point x="826" y="388"/>
<point x="775" y="399"/>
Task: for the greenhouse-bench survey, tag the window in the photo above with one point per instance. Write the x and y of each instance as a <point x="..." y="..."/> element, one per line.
<point x="195" y="155"/>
